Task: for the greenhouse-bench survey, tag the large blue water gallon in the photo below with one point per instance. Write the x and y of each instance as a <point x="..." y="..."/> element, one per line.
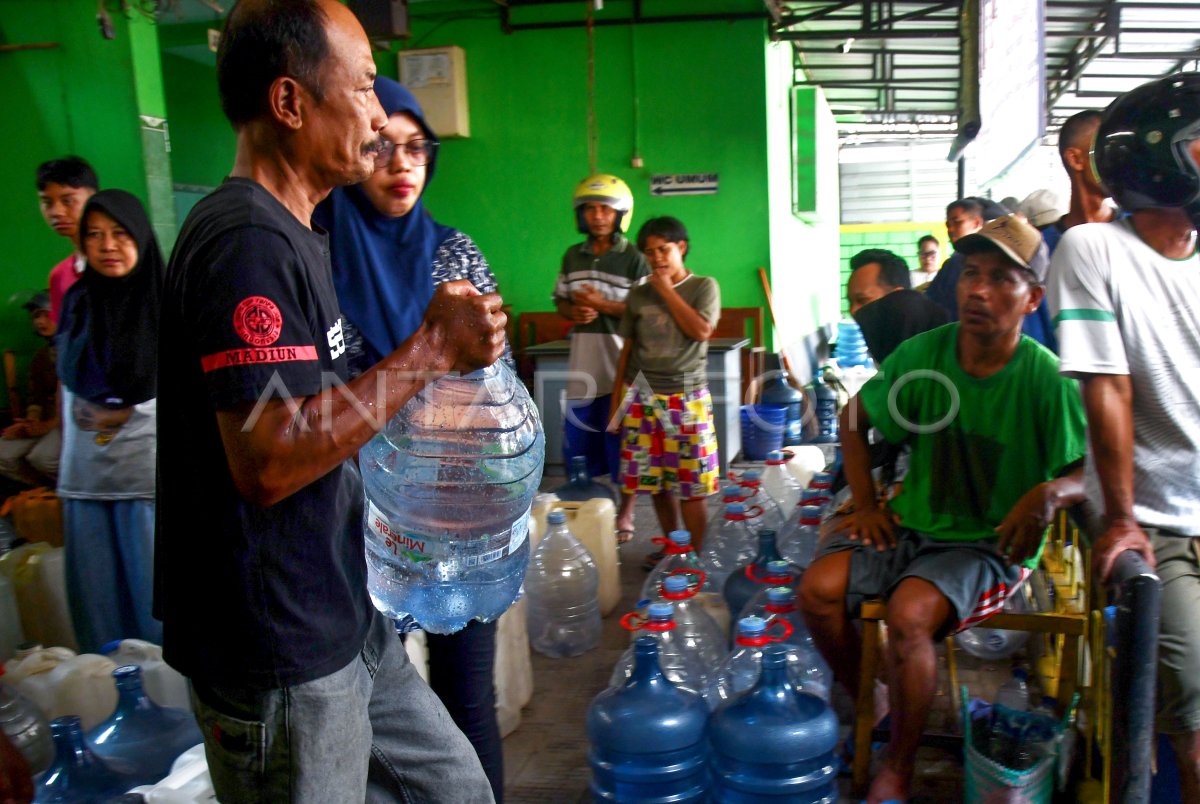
<point x="78" y="776"/>
<point x="774" y="743"/>
<point x="142" y="734"/>
<point x="449" y="482"/>
<point x="579" y="486"/>
<point x="647" y="737"/>
<point x="777" y="391"/>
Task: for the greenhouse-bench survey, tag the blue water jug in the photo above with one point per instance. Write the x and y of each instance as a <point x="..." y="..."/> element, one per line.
<point x="579" y="486"/>
<point x="145" y="736"/>
<point x="449" y="482"/>
<point x="825" y="404"/>
<point x="742" y="583"/>
<point x="778" y="391"/>
<point x="78" y="776"/>
<point x="647" y="737"/>
<point x="774" y="743"/>
<point x="851" y="347"/>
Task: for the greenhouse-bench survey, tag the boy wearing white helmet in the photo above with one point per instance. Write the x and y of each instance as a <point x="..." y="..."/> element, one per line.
<point x="596" y="276"/>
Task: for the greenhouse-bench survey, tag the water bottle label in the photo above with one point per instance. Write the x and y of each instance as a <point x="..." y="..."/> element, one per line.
<point x="410" y="545"/>
<point x="419" y="547"/>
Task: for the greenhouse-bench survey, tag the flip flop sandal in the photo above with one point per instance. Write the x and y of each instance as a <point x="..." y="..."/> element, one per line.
<point x="624" y="536"/>
<point x="651" y="561"/>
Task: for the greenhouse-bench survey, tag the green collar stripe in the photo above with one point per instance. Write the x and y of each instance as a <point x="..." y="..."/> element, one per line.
<point x="1083" y="314"/>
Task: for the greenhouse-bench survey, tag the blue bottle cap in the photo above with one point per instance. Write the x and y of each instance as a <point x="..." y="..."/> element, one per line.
<point x="810" y="512"/>
<point x="752" y="474"/>
<point x="823" y="477"/>
<point x="735" y="508"/>
<point x="680" y="537"/>
<point x="556" y="517"/>
<point x="751" y="626"/>
<point x="809" y="494"/>
<point x="733" y="493"/>
<point x="775" y="455"/>
<point x="778" y="567"/>
<point x="779" y="594"/>
<point x="675" y="583"/>
<point x="661" y="611"/>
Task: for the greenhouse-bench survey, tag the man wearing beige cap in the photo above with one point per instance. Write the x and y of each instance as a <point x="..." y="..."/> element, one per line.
<point x="998" y="440"/>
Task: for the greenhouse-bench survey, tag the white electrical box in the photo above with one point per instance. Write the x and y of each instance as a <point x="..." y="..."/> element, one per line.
<point x="437" y="76"/>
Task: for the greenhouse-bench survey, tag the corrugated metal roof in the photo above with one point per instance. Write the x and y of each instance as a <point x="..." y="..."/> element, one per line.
<point x="890" y="70"/>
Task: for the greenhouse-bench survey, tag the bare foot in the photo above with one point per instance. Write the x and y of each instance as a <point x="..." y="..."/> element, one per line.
<point x="624" y="536"/>
<point x="890" y="784"/>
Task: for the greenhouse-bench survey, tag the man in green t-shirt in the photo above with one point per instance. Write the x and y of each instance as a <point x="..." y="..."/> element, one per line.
<point x="997" y="439"/>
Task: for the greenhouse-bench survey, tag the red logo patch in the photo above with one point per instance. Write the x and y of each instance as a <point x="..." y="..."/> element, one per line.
<point x="258" y="321"/>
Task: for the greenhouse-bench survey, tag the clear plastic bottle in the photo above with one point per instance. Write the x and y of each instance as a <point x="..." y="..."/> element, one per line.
<point x="996" y="644"/>
<point x="779" y="603"/>
<point x="449" y="482"/>
<point x="741" y="668"/>
<point x="765" y="571"/>
<point x="680" y="663"/>
<point x="678" y="553"/>
<point x="780" y="484"/>
<point x="693" y="624"/>
<point x="25" y="727"/>
<point x="1014" y="693"/>
<point x="772" y="513"/>
<point x="797" y="541"/>
<point x="822" y="484"/>
<point x="729" y="547"/>
<point x="145" y="736"/>
<point x="561" y="593"/>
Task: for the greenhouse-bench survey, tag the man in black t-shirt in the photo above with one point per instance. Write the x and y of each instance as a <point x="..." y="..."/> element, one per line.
<point x="303" y="692"/>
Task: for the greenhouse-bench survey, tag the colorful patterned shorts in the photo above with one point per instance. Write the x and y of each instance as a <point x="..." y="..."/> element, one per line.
<point x="670" y="445"/>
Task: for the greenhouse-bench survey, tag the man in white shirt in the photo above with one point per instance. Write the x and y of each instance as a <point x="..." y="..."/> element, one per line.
<point x="1124" y="297"/>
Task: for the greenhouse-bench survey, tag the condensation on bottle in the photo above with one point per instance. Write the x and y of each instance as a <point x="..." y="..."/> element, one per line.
<point x="449" y="482"/>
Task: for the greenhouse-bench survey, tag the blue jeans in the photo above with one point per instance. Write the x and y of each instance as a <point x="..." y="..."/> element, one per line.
<point x="109" y="556"/>
<point x="462" y="673"/>
<point x="372" y="731"/>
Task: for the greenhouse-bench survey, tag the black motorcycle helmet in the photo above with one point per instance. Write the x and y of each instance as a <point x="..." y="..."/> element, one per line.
<point x="1141" y="153"/>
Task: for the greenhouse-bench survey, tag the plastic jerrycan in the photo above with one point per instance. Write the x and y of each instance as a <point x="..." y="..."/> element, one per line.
<point x="593" y="523"/>
<point x="29" y="673"/>
<point x="83" y="686"/>
<point x="163" y="683"/>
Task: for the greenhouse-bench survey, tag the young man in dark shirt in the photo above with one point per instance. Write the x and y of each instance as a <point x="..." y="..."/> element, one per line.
<point x="303" y="691"/>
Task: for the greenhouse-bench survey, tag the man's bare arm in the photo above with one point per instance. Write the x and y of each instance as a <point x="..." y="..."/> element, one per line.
<point x="288" y="443"/>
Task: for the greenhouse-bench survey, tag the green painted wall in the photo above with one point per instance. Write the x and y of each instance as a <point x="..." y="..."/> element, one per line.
<point x="76" y="98"/>
<point x="699" y="91"/>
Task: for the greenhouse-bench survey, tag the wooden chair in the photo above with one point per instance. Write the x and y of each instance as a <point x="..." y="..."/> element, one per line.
<point x="1070" y="627"/>
<point x="745" y="322"/>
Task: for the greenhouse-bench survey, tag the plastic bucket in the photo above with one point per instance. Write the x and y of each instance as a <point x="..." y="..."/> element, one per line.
<point x="762" y="430"/>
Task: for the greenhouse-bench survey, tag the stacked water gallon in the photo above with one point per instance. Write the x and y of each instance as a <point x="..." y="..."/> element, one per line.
<point x="850" y="349"/>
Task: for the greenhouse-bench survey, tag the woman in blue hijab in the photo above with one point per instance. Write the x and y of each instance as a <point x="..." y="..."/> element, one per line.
<point x="388" y="254"/>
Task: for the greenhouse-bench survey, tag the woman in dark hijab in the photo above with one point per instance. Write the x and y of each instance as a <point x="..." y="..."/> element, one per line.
<point x="388" y="254"/>
<point x="107" y="359"/>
